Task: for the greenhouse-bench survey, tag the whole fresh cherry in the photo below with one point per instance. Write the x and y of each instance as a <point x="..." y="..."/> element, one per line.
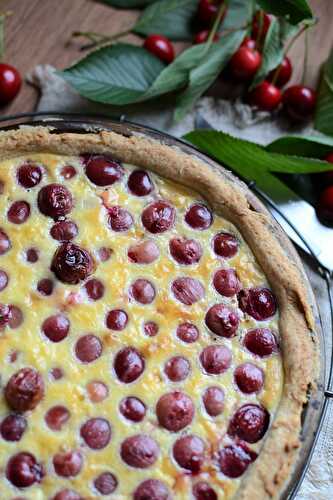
<point x="299" y="102"/>
<point x="10" y="83"/>
<point x="325" y="206"/>
<point x="328" y="176"/>
<point x="161" y="47"/>
<point x="244" y="63"/>
<point x="282" y="74"/>
<point x="203" y="35"/>
<point x="260" y="25"/>
<point x="265" y="96"/>
<point x="208" y="10"/>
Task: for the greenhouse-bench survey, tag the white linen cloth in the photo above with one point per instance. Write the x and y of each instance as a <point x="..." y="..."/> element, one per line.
<point x="239" y="120"/>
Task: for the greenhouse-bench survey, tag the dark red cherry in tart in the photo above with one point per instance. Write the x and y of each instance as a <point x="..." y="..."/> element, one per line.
<point x="207" y="10"/>
<point x="24" y="390"/>
<point x="261" y="342"/>
<point x="144" y="252"/>
<point x="299" y="102"/>
<point x="88" y="348"/>
<point x="282" y="74"/>
<point x="18" y="212"/>
<point x="116" y="319"/>
<point x="4" y="315"/>
<point x="235" y="459"/>
<point x="23" y="470"/>
<point x="56" y="327"/>
<point x="55" y="200"/>
<point x="5" y="243"/>
<point x="188" y="452"/>
<point x="265" y="96"/>
<point x="102" y="170"/>
<point x="161" y="47"/>
<point x="260" y="25"/>
<point x="143" y="291"/>
<point x="324" y="206"/>
<point x="68" y="463"/>
<point x="187" y="290"/>
<point x="45" y="286"/>
<point x="203" y="491"/>
<point x="151" y="489"/>
<point x="222" y="320"/>
<point x="67" y="494"/>
<point x="244" y="63"/>
<point x="15" y="316"/>
<point x="213" y="400"/>
<point x="32" y="255"/>
<point x="249" y="378"/>
<point x="97" y="391"/>
<point x="64" y="230"/>
<point x="29" y="175"/>
<point x="249" y="423"/>
<point x="94" y="289"/>
<point x="72" y="264"/>
<point x="56" y="417"/>
<point x="226" y="282"/>
<point x="215" y="359"/>
<point x="198" y="216"/>
<point x="120" y="220"/>
<point x="175" y="411"/>
<point x="68" y="172"/>
<point x="185" y="251"/>
<point x="177" y="368"/>
<point x="132" y="409"/>
<point x="104" y="254"/>
<point x="158" y="217"/>
<point x="96" y="433"/>
<point x="10" y="83"/>
<point x="106" y="483"/>
<point x="128" y="364"/>
<point x="259" y="303"/>
<point x="225" y="245"/>
<point x="187" y="332"/>
<point x="139" y="451"/>
<point x="150" y="328"/>
<point x="139" y="183"/>
<point x="13" y="427"/>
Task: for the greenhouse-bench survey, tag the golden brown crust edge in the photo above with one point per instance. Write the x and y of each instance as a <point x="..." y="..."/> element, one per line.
<point x="267" y="476"/>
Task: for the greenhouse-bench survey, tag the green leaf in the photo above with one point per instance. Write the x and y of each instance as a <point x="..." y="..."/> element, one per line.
<point x="251" y="160"/>
<point x="294" y="10"/>
<point x="205" y="73"/>
<point x="272" y="53"/>
<point x="239" y="14"/>
<point x="127" y="4"/>
<point x="118" y="74"/>
<point x="310" y="147"/>
<point x="324" y="108"/>
<point x="171" y="18"/>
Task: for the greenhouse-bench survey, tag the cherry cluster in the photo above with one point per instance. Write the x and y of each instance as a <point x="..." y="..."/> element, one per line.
<point x="298" y="101"/>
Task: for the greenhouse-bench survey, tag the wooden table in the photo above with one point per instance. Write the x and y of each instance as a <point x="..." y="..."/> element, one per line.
<point x="38" y="32"/>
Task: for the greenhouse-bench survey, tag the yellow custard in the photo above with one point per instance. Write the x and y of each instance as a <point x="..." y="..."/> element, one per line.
<point x="174" y="294"/>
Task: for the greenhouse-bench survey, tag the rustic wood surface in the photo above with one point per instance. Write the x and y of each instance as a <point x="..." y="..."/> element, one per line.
<point x="38" y="31"/>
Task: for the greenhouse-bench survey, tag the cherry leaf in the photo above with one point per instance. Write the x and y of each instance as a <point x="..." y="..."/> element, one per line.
<point x="127" y="4"/>
<point x="324" y="108"/>
<point x="174" y="19"/>
<point x="308" y="146"/>
<point x="294" y="10"/>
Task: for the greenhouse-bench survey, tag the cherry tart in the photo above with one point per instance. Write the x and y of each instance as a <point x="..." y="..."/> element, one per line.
<point x="141" y="339"/>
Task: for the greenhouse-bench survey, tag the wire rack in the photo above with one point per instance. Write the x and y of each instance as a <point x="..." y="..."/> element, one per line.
<point x="14" y="120"/>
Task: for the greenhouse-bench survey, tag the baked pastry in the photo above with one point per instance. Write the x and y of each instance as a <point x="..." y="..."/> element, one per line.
<point x="156" y="337"/>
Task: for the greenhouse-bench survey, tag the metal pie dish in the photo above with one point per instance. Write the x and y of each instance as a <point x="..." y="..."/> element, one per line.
<point x="315" y="408"/>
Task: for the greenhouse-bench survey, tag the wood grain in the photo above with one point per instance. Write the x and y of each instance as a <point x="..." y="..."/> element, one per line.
<point x="39" y="30"/>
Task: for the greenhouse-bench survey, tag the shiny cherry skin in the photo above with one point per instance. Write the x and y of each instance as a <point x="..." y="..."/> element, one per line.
<point x="10" y="83"/>
<point x="282" y="74"/>
<point x="265" y="96"/>
<point x="299" y="102"/>
<point x="208" y="10"/>
<point x="260" y="25"/>
<point x="202" y="37"/>
<point x="249" y="43"/>
<point x="161" y="47"/>
<point x="244" y="63"/>
<point x="325" y="206"/>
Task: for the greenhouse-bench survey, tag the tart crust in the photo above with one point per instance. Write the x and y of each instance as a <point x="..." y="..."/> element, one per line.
<point x="231" y="199"/>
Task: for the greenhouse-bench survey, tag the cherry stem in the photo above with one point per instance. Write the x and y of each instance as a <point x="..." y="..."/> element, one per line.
<point x="217" y="22"/>
<point x="260" y="30"/>
<point x="305" y="60"/>
<point x="98" y="39"/>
